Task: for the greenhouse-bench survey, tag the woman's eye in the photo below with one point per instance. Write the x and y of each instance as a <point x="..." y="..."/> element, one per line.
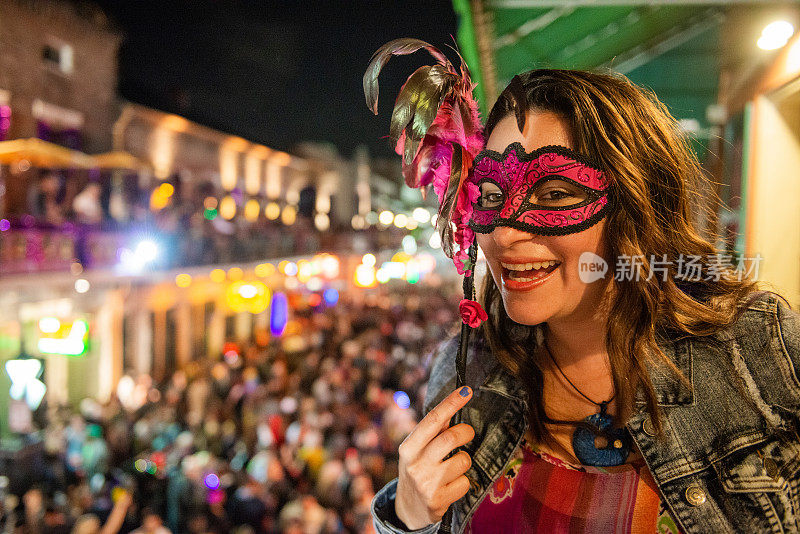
<point x="491" y="200"/>
<point x="557" y="193"/>
<point x="491" y="197"/>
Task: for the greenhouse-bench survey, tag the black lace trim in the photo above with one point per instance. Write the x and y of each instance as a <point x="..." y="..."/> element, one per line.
<point x="542" y="230"/>
<point x="524" y="156"/>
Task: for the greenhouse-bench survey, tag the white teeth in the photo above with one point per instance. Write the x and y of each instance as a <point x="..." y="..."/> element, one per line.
<point x="528" y="266"/>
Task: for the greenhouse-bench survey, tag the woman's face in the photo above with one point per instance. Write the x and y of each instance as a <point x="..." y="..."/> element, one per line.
<point x="548" y="293"/>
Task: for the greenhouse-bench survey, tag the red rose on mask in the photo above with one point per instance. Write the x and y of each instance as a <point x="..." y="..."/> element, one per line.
<point x="472" y="313"/>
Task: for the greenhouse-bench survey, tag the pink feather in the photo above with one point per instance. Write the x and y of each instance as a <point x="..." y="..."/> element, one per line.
<point x="456" y="124"/>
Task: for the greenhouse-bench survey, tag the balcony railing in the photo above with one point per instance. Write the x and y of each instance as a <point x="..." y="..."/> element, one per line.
<point x="27" y="246"/>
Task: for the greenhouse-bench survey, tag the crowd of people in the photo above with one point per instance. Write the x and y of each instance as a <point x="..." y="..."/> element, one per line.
<point x="294" y="435"/>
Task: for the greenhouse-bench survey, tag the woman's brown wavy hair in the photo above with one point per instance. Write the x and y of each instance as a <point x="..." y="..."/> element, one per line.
<point x="653" y="174"/>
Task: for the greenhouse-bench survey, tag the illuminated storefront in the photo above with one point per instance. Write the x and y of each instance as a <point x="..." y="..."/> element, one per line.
<point x="768" y="109"/>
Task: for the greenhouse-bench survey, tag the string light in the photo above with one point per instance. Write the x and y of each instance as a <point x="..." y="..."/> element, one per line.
<point x="386" y="217"/>
<point x="322" y="222"/>
<point x="289" y="215"/>
<point x="251" y="210"/>
<point x="272" y="211"/>
<point x="227" y="208"/>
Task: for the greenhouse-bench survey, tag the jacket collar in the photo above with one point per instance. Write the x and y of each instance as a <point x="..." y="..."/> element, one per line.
<point x="670" y="390"/>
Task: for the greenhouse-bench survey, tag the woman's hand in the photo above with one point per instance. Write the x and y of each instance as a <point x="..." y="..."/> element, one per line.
<point x="427" y="485"/>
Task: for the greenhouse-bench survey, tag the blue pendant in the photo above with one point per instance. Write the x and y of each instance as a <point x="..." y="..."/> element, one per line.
<point x="615" y="453"/>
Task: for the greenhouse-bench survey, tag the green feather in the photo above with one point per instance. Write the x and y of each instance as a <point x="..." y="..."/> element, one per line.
<point x="398" y="47"/>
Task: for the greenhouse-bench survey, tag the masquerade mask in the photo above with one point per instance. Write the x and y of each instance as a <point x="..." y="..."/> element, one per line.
<point x="550" y="191"/>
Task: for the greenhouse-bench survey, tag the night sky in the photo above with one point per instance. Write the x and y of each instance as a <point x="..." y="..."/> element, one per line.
<point x="273" y="72"/>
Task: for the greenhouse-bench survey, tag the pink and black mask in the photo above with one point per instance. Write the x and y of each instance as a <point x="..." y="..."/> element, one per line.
<point x="550" y="191"/>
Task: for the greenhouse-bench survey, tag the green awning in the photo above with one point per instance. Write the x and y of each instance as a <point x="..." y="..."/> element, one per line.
<point x="670" y="48"/>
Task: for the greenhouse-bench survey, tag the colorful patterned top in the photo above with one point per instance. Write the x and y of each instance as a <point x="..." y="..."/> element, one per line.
<point x="539" y="493"/>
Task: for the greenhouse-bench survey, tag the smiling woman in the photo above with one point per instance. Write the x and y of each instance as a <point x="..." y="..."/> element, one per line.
<point x="643" y="399"/>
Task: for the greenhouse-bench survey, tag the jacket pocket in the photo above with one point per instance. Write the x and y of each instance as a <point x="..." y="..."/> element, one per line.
<point x="765" y="477"/>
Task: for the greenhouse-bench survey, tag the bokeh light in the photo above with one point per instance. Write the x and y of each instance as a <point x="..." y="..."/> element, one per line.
<point x="386" y="217"/>
<point x="218" y="276"/>
<point x="289" y="215"/>
<point x="264" y="270"/>
<point x="322" y="222"/>
<point x="365" y="276"/>
<point x="775" y="35"/>
<point x="358" y="222"/>
<point x="421" y="215"/>
<point x="409" y="244"/>
<point x="251" y="210"/>
<point x="235" y="273"/>
<point x="227" y="208"/>
<point x="82" y="285"/>
<point x="314" y="283"/>
<point x="331" y="296"/>
<point x="368" y="260"/>
<point x="290" y="269"/>
<point x="279" y="314"/>
<point x="272" y="211"/>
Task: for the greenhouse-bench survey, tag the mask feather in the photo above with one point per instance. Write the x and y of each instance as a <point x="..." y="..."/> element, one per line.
<point x="448" y="204"/>
<point x="436" y="127"/>
<point x="417" y="105"/>
<point x="398" y="47"/>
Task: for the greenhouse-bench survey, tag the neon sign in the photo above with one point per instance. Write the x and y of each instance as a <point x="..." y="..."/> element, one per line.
<point x="279" y="314"/>
<point x="25" y="383"/>
<point x="248" y="296"/>
<point x="68" y="339"/>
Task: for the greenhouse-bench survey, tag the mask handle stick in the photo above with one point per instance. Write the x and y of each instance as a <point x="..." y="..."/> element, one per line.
<point x="461" y="367"/>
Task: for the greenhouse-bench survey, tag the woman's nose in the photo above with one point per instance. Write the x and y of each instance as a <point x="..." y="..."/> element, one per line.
<point x="505" y="236"/>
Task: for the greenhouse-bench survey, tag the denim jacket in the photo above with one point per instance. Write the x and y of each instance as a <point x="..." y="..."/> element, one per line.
<point x="729" y="460"/>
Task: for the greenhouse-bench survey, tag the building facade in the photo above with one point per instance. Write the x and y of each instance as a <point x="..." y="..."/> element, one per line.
<point x="58" y="73"/>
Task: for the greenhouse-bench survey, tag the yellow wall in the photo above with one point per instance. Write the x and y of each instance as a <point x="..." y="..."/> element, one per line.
<point x="773" y="218"/>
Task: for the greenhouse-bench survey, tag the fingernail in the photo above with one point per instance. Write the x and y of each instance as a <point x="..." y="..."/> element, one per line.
<point x="464" y="392"/>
